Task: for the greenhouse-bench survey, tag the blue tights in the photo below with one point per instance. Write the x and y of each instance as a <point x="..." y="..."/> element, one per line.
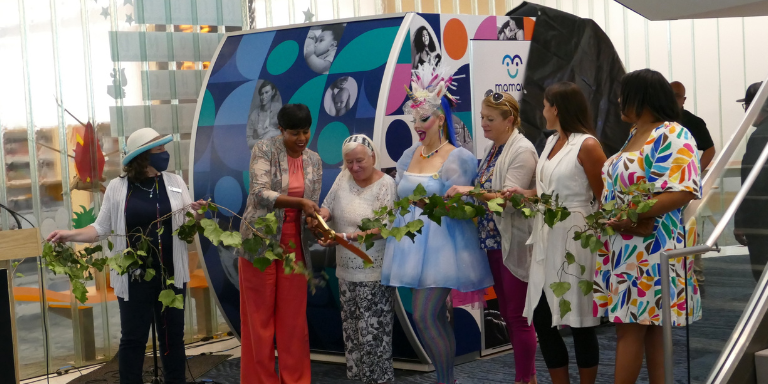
<point x="430" y="314"/>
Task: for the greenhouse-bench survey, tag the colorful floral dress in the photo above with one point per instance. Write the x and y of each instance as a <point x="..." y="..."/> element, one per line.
<point x="627" y="278"/>
<point x="490" y="238"/>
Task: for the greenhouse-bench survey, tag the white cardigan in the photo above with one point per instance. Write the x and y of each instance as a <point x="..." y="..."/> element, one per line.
<point x="515" y="167"/>
<point x="112" y="218"/>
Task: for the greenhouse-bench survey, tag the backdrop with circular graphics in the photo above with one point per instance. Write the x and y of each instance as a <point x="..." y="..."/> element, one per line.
<point x="303" y="63"/>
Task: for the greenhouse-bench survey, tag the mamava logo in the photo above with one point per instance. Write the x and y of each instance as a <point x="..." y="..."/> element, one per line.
<point x="517" y="61"/>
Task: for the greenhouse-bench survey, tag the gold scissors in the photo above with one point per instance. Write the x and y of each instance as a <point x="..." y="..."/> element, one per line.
<point x="322" y="231"/>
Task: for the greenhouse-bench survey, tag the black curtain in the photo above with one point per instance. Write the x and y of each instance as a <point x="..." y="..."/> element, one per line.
<point x="565" y="47"/>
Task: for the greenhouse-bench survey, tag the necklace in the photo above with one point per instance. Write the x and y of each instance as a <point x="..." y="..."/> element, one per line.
<point x="487" y="163"/>
<point x="423" y="156"/>
<point x="151" y="190"/>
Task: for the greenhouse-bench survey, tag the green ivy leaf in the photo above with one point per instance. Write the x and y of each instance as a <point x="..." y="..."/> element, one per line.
<point x="415" y="226"/>
<point x="565" y="307"/>
<point x="271" y="255"/>
<point x="419" y="192"/>
<point x="528" y="213"/>
<point x="149" y="274"/>
<point x="368" y="241"/>
<point x="494" y="205"/>
<point x="262" y="263"/>
<point x="110" y="246"/>
<point x="160" y="231"/>
<point x="594" y="244"/>
<point x="560" y="288"/>
<point x="253" y="245"/>
<point x="569" y="257"/>
<point x="170" y="281"/>
<point x="203" y="209"/>
<point x="79" y="290"/>
<point x="19" y="274"/>
<point x="212" y="207"/>
<point x="645" y="206"/>
<point x="268" y="223"/>
<point x="583" y="268"/>
<point x="632" y="215"/>
<point x="517" y="200"/>
<point x="585" y="241"/>
<point x="212" y="231"/>
<point x="585" y="286"/>
<point x="609" y="206"/>
<point x="169" y="298"/>
<point x="231" y="239"/>
<point x="610" y="231"/>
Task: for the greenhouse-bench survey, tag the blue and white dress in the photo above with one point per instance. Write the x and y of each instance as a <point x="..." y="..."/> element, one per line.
<point x="443" y="256"/>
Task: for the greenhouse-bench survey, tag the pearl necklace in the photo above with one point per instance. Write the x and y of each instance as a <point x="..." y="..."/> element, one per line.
<point x="423" y="156"/>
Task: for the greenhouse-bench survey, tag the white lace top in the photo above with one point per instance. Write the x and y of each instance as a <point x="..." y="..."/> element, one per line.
<point x="349" y="205"/>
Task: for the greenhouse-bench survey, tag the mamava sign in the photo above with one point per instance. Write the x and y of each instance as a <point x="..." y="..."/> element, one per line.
<point x="498" y="66"/>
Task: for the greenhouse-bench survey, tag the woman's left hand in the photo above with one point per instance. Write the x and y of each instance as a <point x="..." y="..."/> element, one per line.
<point x="619" y="225"/>
<point x="196" y="206"/>
<point x="458" y="189"/>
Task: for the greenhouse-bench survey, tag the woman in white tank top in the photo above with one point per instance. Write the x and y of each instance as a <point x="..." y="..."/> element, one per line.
<point x="569" y="167"/>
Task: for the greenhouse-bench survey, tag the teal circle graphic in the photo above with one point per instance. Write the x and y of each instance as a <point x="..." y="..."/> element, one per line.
<point x="330" y="140"/>
<point x="282" y="57"/>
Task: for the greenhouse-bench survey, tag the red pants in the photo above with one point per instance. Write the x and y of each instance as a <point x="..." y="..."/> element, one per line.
<point x="273" y="305"/>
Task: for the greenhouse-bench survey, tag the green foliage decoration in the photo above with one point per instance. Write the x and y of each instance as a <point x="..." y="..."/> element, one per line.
<point x="77" y="265"/>
<point x="435" y="207"/>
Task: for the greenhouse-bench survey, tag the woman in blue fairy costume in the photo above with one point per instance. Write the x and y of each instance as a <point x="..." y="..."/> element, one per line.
<point x="446" y="256"/>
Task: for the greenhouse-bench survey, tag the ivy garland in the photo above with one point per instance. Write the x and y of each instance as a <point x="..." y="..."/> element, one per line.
<point x="435" y="207"/>
<point x="63" y="259"/>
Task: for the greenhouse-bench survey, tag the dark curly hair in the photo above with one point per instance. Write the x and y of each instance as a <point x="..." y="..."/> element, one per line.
<point x="136" y="169"/>
<point x="418" y="41"/>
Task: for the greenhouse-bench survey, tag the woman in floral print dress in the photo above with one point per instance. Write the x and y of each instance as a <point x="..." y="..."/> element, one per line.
<point x="627" y="282"/>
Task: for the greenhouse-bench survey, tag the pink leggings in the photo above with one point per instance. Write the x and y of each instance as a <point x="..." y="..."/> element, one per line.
<point x="511" y="293"/>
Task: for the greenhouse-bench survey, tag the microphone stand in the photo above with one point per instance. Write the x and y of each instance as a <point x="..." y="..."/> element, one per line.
<point x="155" y="378"/>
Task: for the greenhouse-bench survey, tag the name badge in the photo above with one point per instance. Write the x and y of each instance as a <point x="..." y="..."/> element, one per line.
<point x="175" y="189"/>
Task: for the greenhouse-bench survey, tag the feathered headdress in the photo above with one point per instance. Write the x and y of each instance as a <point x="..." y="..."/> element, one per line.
<point x="429" y="91"/>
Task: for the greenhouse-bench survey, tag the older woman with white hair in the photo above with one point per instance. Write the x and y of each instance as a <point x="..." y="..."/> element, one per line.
<point x="366" y="304"/>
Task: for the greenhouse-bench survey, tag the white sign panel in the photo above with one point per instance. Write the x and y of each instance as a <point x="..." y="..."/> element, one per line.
<point x="500" y="67"/>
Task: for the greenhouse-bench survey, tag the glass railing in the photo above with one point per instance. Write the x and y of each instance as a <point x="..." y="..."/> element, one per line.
<point x="731" y="221"/>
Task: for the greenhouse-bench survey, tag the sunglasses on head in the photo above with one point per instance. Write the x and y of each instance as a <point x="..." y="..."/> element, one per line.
<point x="497" y="97"/>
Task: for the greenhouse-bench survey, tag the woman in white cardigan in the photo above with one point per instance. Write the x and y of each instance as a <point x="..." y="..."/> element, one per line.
<point x="134" y="202"/>
<point x="503" y="237"/>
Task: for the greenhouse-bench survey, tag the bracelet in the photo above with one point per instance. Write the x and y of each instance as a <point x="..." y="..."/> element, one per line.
<point x="634" y="224"/>
<point x="344" y="235"/>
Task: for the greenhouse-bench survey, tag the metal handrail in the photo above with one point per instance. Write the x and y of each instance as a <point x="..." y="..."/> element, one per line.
<point x="703" y="248"/>
<point x="717" y="168"/>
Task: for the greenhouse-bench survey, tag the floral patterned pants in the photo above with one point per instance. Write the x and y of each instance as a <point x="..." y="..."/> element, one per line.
<point x="367" y="316"/>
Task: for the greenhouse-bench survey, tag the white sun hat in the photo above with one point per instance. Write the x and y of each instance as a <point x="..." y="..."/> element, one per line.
<point x="141" y="141"/>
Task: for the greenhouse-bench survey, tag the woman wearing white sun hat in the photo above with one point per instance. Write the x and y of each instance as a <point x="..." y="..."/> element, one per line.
<point x="133" y="202"/>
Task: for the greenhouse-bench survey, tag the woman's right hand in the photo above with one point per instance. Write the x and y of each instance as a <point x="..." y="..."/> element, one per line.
<point x="507" y="193"/>
<point x="309" y="207"/>
<point x="329" y="243"/>
<point x="60" y="236"/>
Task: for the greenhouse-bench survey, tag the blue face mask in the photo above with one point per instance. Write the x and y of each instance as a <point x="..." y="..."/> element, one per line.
<point x="159" y="161"/>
